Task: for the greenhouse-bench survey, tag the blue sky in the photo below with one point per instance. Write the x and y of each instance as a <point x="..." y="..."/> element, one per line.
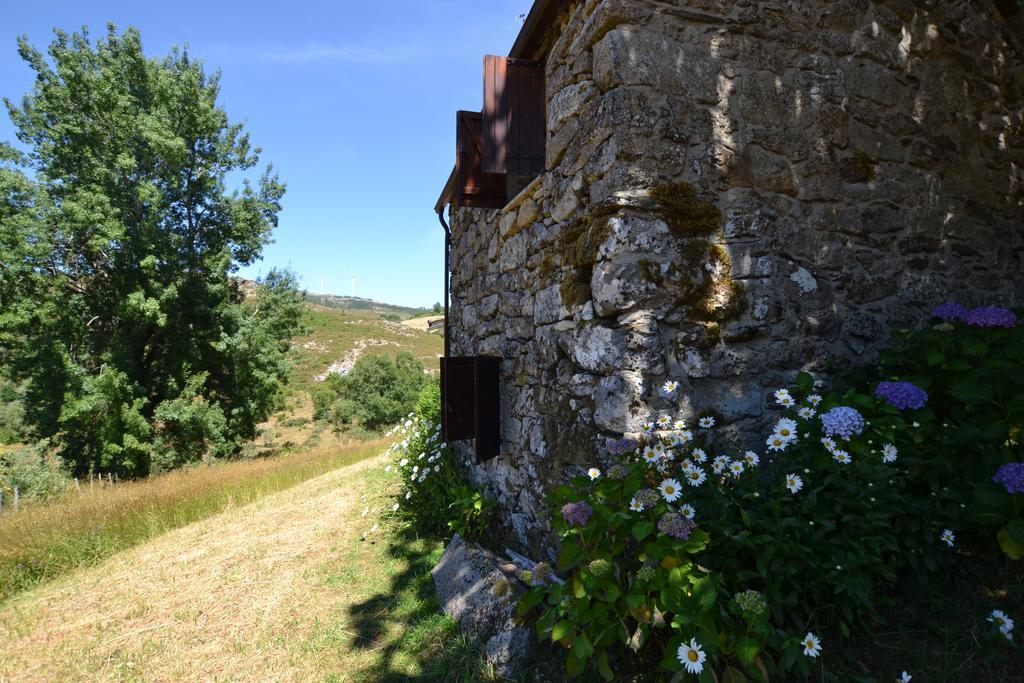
<point x="353" y="102"/>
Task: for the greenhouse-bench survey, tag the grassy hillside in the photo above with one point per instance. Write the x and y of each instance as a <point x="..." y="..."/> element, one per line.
<point x="358" y="305"/>
<point x="335" y="332"/>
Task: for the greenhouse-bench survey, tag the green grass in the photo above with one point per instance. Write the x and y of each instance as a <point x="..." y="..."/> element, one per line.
<point x="84" y="527"/>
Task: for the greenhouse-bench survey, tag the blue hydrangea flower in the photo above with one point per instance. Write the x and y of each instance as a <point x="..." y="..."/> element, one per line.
<point x="991" y="316"/>
<point x="950" y="310"/>
<point x="842" y="421"/>
<point x="1011" y="475"/>
<point x="902" y="395"/>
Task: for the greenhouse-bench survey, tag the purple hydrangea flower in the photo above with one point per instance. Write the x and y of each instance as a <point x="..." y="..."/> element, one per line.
<point x="577" y="513"/>
<point x="842" y="421"/>
<point x="622" y="446"/>
<point x="902" y="395"/>
<point x="950" y="310"/>
<point x="990" y="316"/>
<point x="676" y="526"/>
<point x="1011" y="475"/>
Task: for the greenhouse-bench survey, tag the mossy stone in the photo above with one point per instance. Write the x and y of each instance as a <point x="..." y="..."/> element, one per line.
<point x="684" y="212"/>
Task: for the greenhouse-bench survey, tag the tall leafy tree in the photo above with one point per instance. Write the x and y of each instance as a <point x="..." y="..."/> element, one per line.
<point x="118" y="241"/>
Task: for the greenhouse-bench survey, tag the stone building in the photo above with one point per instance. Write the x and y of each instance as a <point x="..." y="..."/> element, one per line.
<point x="726" y="192"/>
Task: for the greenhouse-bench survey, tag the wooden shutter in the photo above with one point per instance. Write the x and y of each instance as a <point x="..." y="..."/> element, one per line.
<point x="458" y="414"/>
<point x="474" y="187"/>
<point x="514" y="120"/>
<point x="471" y="404"/>
<point x="527" y="119"/>
<point x="495" y="115"/>
<point x="488" y="412"/>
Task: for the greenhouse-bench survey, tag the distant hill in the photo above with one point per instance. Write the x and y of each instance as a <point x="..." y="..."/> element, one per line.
<point x="339" y="335"/>
<point x="349" y="303"/>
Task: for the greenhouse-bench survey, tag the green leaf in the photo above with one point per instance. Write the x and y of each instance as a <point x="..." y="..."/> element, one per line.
<point x="561" y="630"/>
<point x="570" y="554"/>
<point x="747" y="649"/>
<point x="574" y="666"/>
<point x="582" y="648"/>
<point x="1012" y="549"/>
<point x="603" y="668"/>
<point x="642" y="530"/>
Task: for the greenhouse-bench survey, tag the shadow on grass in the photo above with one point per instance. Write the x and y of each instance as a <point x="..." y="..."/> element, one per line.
<point x="403" y="624"/>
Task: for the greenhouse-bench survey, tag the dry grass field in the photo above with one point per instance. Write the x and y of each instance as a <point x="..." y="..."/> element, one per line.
<point x="310" y="583"/>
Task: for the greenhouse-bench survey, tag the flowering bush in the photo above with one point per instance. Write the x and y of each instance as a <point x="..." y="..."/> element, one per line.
<point x="971" y="364"/>
<point x="434" y="497"/>
<point x="712" y="561"/>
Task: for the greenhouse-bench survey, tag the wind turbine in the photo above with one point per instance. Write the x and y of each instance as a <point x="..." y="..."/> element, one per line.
<point x="353" y="284"/>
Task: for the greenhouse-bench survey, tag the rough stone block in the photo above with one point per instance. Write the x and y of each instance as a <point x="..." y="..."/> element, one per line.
<point x="473" y="587"/>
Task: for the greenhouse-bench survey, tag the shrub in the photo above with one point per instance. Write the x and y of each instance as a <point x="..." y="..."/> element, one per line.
<point x="729" y="566"/>
<point x="971" y="364"/>
<point x="435" y="496"/>
<point x="377" y="392"/>
<point x="35" y="470"/>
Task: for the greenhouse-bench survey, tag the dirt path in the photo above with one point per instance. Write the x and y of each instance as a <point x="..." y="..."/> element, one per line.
<point x="251" y="594"/>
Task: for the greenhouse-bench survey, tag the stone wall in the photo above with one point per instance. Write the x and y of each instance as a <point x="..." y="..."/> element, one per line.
<point x="736" y="191"/>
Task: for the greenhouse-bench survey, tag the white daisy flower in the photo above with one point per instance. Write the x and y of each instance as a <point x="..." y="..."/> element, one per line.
<point x="706" y="422"/>
<point x="806" y="412"/>
<point x="408" y="495"/>
<point x="664" y="421"/>
<point x="786" y="401"/>
<point x="648" y="427"/>
<point x="682" y="438"/>
<point x="719" y="464"/>
<point x="700" y="455"/>
<point x="751" y="458"/>
<point x="794" y="483"/>
<point x="777" y="443"/>
<point x="659" y="448"/>
<point x="593" y="473"/>
<point x="686" y="466"/>
<point x="1002" y="622"/>
<point x="403" y="462"/>
<point x="650" y="455"/>
<point x="415" y="470"/>
<point x="889" y="453"/>
<point x="904" y="678"/>
<point x="679" y="425"/>
<point x="782" y="395"/>
<point x="692" y="656"/>
<point x="635" y="505"/>
<point x="696" y="476"/>
<point x="786" y="428"/>
<point x="947" y="537"/>
<point x="842" y="457"/>
<point x="812" y="646"/>
<point x="736" y="467"/>
<point x="686" y="510"/>
<point x="670" y="490"/>
<point x="830" y="444"/>
<point x="814" y="399"/>
<point x="670" y="387"/>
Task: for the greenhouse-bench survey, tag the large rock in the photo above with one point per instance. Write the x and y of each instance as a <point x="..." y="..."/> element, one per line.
<point x="480" y="592"/>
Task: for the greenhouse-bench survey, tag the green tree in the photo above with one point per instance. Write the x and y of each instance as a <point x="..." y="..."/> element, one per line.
<point x="119" y="314"/>
<point x="377" y="392"/>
